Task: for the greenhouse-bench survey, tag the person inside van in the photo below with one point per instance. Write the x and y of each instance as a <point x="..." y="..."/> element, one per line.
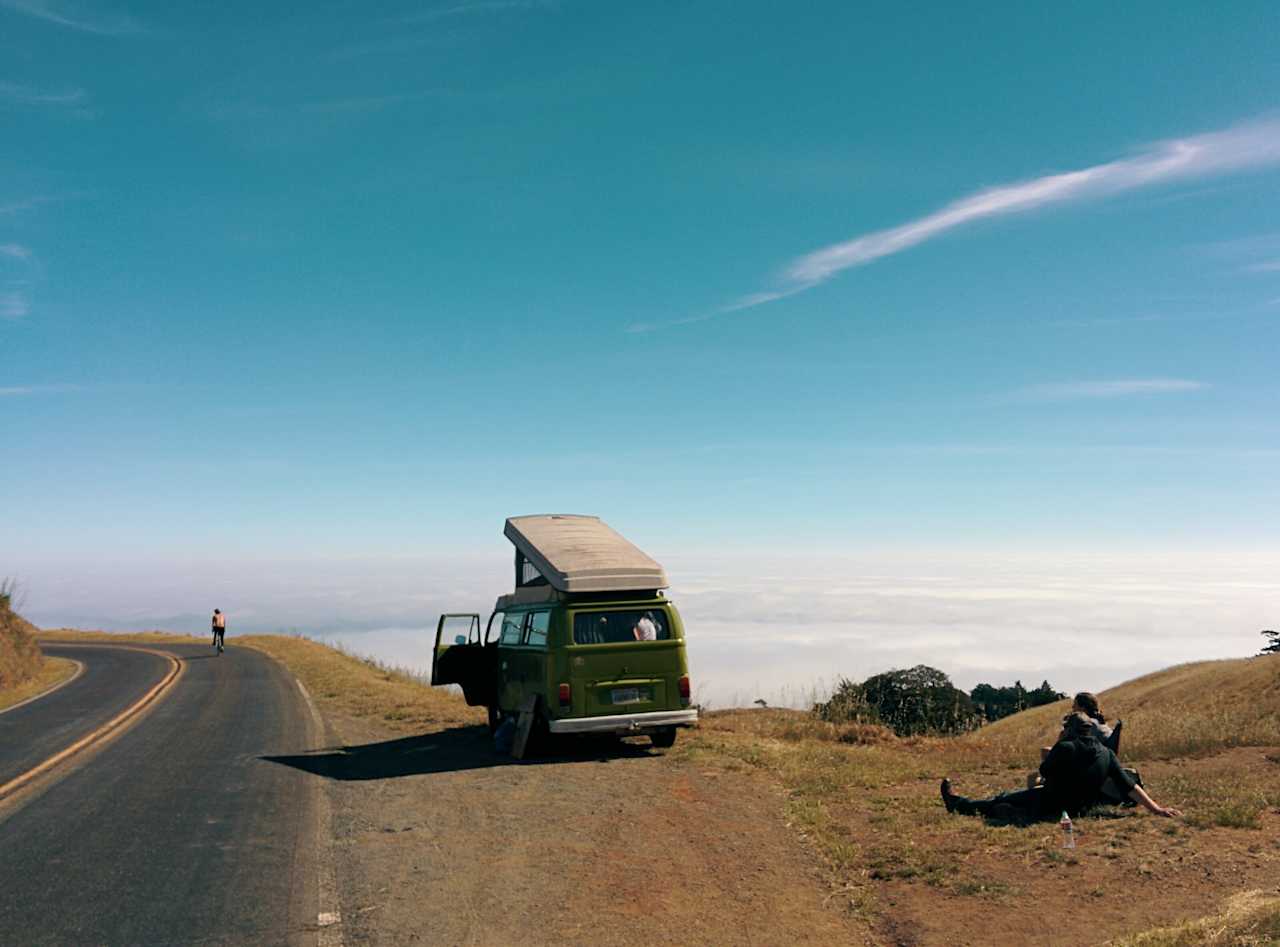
<point x="1074" y="773"/>
<point x="645" y="629"/>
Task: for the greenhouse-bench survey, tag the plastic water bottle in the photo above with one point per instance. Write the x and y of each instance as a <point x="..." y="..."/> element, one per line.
<point x="1068" y="831"/>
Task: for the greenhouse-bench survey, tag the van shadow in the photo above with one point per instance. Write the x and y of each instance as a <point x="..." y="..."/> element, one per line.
<point x="448" y="751"/>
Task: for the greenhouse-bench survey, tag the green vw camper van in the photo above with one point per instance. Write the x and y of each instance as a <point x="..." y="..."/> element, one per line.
<point x="587" y="642"/>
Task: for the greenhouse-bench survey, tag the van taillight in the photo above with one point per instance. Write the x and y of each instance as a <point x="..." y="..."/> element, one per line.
<point x="566" y="695"/>
<point x="684" y="689"/>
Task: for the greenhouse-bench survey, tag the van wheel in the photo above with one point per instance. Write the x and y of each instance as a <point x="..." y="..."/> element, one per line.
<point x="664" y="739"/>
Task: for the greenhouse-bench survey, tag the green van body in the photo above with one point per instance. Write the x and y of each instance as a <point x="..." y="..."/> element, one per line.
<point x="588" y="643"/>
<point x="574" y="660"/>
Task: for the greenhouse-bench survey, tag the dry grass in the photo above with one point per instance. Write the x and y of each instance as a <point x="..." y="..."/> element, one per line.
<point x="1181" y="711"/>
<point x="868" y="803"/>
<point x="1250" y="919"/>
<point x="359" y="687"/>
<point x="133" y="637"/>
<point x="20" y="658"/>
<point x="53" y="671"/>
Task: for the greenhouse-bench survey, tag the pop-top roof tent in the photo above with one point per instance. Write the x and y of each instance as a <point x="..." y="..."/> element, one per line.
<point x="579" y="554"/>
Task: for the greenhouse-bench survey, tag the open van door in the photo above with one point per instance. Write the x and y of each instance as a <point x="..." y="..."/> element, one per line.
<point x="456" y="637"/>
<point x="461" y="658"/>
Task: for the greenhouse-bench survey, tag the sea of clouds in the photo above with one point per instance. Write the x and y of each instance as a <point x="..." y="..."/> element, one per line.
<point x="782" y="629"/>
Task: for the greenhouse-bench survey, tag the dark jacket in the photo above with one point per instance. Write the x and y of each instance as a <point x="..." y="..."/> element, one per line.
<point x="1074" y="772"/>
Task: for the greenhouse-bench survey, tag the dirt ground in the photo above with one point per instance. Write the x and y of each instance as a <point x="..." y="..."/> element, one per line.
<point x="442" y="841"/>
<point x="939" y="879"/>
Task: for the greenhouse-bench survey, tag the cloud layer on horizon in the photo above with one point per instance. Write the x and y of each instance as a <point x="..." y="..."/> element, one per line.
<point x="757" y="628"/>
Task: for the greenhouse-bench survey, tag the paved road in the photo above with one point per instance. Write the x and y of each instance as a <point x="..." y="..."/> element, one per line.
<point x="175" y="832"/>
<point x="112" y="679"/>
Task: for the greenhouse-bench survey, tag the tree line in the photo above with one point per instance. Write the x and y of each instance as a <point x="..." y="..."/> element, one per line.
<point x="922" y="700"/>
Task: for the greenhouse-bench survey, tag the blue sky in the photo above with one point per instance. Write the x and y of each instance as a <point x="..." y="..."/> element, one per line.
<point x="343" y="283"/>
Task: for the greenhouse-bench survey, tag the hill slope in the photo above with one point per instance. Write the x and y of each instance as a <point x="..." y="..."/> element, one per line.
<point x="1185" y="710"/>
<point x="20" y="657"/>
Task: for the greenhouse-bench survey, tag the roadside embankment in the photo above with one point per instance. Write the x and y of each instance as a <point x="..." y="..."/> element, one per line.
<point x="25" y="671"/>
<point x="20" y="657"/>
<point x="364" y="689"/>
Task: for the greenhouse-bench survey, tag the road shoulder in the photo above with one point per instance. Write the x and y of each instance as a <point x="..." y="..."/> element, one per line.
<point x="444" y="841"/>
<point x="54" y="673"/>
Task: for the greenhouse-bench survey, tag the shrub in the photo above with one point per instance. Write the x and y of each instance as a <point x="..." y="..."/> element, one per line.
<point x="915" y="701"/>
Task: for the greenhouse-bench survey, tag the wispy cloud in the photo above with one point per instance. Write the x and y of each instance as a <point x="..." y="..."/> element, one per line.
<point x="21" y="390"/>
<point x="1267" y="266"/>
<point x="368" y="103"/>
<point x="13" y="305"/>
<point x="17" y="207"/>
<point x="74" y="16"/>
<point x="1119" y="388"/>
<point x="18" y="94"/>
<point x="480" y="6"/>
<point x="15" y="251"/>
<point x="1250" y="145"/>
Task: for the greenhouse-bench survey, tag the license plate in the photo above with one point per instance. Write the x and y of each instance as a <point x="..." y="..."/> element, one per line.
<point x="625" y="695"/>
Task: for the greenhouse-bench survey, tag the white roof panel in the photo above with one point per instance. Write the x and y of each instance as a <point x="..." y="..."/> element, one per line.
<point x="582" y="554"/>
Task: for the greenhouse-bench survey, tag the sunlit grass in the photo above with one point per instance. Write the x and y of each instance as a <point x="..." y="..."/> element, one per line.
<point x="52" y="672"/>
<point x="1182" y="711"/>
<point x="1250" y="919"/>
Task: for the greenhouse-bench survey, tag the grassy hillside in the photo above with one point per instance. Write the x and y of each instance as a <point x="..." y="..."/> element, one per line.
<point x="20" y="657"/>
<point x="1206" y="737"/>
<point x="1181" y="711"/>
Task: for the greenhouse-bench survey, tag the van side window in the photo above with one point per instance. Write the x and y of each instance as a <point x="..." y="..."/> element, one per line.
<point x="511" y="628"/>
<point x="539" y="622"/>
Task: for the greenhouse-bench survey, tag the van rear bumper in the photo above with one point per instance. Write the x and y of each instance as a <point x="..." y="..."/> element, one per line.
<point x="625" y="723"/>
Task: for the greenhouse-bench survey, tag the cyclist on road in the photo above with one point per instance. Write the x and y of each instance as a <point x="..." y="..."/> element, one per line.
<point x="219" y="629"/>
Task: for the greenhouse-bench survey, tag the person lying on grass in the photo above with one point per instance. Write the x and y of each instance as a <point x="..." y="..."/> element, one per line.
<point x="1074" y="772"/>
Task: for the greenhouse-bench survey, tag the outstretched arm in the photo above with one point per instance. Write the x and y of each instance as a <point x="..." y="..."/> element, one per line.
<point x="1138" y="794"/>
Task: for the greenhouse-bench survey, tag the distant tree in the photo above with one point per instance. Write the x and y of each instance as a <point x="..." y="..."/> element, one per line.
<point x="1044" y="694"/>
<point x="914" y="701"/>
<point x="996" y="702"/>
<point x="1273" y="642"/>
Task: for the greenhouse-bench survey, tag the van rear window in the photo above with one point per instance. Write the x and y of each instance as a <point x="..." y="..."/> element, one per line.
<point x="618" y="627"/>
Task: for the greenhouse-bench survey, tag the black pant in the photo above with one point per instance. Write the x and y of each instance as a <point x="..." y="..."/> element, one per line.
<point x="218" y="635"/>
<point x="1025" y="805"/>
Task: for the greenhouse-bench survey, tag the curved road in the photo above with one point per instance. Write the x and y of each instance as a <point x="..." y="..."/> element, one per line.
<point x="176" y="831"/>
<point x="112" y="679"/>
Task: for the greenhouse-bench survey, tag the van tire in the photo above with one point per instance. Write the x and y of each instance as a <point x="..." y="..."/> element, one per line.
<point x="663" y="739"/>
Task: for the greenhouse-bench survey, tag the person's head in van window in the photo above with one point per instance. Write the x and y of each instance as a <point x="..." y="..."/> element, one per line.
<point x="602" y="629"/>
<point x="645" y="629"/>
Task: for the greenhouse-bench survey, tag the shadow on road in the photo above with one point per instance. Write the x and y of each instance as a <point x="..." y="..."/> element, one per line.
<point x="447" y="751"/>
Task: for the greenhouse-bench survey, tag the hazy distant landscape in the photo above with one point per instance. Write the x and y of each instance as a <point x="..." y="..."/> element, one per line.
<point x="980" y="616"/>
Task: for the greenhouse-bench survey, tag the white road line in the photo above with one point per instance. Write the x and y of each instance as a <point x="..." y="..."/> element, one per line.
<point x="329" y="916"/>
